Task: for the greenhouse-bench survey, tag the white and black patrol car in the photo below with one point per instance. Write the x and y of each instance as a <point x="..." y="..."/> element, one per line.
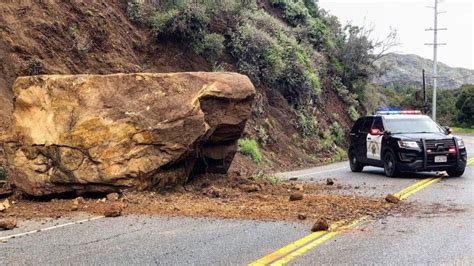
<point x="405" y="141"/>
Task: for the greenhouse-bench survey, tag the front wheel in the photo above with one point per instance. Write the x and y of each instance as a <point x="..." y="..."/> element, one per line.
<point x="356" y="166"/>
<point x="456" y="171"/>
<point x="390" y="164"/>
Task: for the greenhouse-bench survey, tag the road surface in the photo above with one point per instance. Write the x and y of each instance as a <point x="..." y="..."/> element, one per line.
<point x="439" y="231"/>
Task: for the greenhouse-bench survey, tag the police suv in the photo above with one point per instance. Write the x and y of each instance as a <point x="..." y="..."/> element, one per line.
<point x="405" y="141"/>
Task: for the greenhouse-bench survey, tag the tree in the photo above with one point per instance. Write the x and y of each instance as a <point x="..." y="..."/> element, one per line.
<point x="465" y="106"/>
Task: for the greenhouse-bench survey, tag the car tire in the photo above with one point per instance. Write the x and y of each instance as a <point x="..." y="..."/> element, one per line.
<point x="456" y="171"/>
<point x="390" y="164"/>
<point x="355" y="165"/>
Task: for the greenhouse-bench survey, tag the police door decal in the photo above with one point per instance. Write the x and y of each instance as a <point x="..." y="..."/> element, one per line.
<point x="374" y="145"/>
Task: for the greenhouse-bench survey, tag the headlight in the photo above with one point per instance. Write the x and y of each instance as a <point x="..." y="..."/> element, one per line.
<point x="408" y="145"/>
<point x="460" y="144"/>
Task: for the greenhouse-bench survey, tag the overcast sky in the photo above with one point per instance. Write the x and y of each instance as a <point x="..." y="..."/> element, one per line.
<point x="410" y="18"/>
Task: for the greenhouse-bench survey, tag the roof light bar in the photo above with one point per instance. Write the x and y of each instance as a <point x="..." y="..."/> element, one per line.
<point x="407" y="112"/>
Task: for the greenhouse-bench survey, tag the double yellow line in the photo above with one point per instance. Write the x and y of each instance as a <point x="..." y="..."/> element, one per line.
<point x="302" y="245"/>
<point x="470" y="161"/>
<point x="406" y="192"/>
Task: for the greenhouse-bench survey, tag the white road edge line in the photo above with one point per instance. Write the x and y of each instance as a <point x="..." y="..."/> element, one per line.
<point x="50" y="228"/>
<point x="314" y="173"/>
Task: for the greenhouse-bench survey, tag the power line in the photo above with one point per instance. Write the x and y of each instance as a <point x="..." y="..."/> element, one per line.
<point x="435" y="45"/>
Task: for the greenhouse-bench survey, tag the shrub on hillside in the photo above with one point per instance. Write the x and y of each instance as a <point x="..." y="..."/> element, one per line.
<point x="3" y="173"/>
<point x="307" y="124"/>
<point x="268" y="52"/>
<point x="135" y="10"/>
<point x="353" y="114"/>
<point x="259" y="55"/>
<point x="186" y="21"/>
<point x="249" y="148"/>
<point x="319" y="35"/>
<point x="211" y="47"/>
<point x="337" y="133"/>
<point x="294" y="11"/>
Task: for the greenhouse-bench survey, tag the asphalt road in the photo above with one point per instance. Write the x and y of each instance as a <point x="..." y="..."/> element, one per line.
<point x="440" y="230"/>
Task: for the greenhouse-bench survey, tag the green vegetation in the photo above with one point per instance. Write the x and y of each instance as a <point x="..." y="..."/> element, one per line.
<point x="211" y="47"/>
<point x="268" y="52"/>
<point x="265" y="177"/>
<point x="337" y="133"/>
<point x="461" y="130"/>
<point x="249" y="148"/>
<point x="89" y="13"/>
<point x="284" y="56"/>
<point x="307" y="124"/>
<point x="339" y="154"/>
<point x="465" y="107"/>
<point x="137" y="45"/>
<point x="135" y="10"/>
<point x="3" y="173"/>
<point x="34" y="67"/>
<point x="455" y="106"/>
<point x="262" y="135"/>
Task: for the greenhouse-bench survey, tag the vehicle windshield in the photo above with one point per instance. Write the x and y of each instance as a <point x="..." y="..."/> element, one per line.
<point x="412" y="125"/>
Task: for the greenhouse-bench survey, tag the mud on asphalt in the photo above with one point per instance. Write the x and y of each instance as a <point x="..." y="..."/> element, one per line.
<point x="218" y="196"/>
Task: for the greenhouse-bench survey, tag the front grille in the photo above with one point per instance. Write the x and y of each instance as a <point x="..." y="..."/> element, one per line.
<point x="434" y="147"/>
<point x="439" y="144"/>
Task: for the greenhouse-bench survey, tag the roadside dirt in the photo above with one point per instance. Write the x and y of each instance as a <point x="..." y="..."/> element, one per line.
<point x="217" y="197"/>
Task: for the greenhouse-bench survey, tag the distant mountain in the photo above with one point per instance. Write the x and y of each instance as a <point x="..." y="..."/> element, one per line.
<point x="406" y="69"/>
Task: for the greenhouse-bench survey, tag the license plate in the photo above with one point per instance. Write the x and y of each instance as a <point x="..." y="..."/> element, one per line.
<point x="440" y="159"/>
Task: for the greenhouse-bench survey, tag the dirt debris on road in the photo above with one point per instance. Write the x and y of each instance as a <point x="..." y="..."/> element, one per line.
<point x="4" y="205"/>
<point x="215" y="196"/>
<point x="7" y="223"/>
<point x="113" y="196"/>
<point x="329" y="182"/>
<point x="113" y="211"/>
<point x="320" y="225"/>
<point x="296" y="196"/>
<point x="392" y="198"/>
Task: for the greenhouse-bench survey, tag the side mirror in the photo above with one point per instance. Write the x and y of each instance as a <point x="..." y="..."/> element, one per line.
<point x="448" y="130"/>
<point x="375" y="132"/>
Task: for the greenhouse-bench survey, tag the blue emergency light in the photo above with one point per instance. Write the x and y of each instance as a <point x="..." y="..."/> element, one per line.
<point x="405" y="112"/>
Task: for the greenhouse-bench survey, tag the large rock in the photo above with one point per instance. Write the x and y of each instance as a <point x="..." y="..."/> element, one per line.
<point x="102" y="133"/>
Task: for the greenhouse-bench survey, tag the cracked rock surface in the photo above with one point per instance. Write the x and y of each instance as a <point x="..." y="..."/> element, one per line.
<point x="100" y="133"/>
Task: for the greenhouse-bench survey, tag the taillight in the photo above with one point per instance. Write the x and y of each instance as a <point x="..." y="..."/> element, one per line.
<point x="452" y="150"/>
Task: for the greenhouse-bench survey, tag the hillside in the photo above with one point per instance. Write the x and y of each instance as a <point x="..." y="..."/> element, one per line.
<point x="406" y="69"/>
<point x="304" y="65"/>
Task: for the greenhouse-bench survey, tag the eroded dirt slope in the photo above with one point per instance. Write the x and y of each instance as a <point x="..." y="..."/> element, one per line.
<point x="72" y="37"/>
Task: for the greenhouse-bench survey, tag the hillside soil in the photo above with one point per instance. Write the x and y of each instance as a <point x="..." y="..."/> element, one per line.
<point x="96" y="37"/>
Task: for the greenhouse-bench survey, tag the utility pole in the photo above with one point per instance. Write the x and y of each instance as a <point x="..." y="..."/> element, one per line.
<point x="435" y="44"/>
<point x="425" y="101"/>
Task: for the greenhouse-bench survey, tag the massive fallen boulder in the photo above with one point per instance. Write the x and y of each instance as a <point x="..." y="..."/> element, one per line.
<point x="95" y="133"/>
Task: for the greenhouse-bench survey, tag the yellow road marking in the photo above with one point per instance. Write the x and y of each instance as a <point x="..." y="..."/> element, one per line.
<point x="328" y="235"/>
<point x="412" y="187"/>
<point x="419" y="187"/>
<point x="293" y="246"/>
<point x="470" y="161"/>
<point x="302" y="245"/>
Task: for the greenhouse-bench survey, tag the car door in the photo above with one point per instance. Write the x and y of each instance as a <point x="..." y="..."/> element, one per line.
<point x="374" y="142"/>
<point x="362" y="139"/>
<point x="353" y="135"/>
